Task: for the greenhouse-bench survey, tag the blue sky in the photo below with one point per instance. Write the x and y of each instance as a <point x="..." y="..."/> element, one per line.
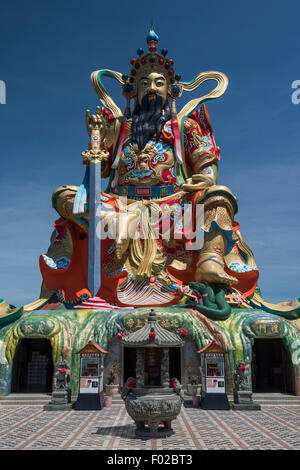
<point x="48" y="50"/>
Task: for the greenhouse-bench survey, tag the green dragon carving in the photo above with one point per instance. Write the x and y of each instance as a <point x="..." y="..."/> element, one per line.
<point x="214" y="304"/>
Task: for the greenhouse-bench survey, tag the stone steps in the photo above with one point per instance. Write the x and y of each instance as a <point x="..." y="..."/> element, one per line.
<point x="38" y="399"/>
<point x="261" y="398"/>
<point x="25" y="399"/>
<point x="117" y="400"/>
<point x="276" y="399"/>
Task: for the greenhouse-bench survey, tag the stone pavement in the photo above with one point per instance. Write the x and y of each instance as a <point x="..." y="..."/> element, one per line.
<point x="31" y="428"/>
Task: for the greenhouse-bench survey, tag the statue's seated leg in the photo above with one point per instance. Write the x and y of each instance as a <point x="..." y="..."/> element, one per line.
<point x="210" y="266"/>
<point x="218" y="223"/>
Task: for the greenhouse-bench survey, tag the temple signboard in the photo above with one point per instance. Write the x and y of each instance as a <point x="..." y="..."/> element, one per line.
<point x="90" y="395"/>
<point x="213" y="377"/>
<point x="267" y="328"/>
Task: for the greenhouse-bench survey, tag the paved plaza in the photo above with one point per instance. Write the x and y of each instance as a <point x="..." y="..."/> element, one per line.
<point x="31" y="428"/>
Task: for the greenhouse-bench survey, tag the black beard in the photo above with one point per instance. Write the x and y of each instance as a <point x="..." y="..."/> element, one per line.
<point x="148" y="119"/>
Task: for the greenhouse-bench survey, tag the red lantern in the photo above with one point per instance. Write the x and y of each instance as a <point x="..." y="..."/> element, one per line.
<point x="183" y="332"/>
<point x="173" y="384"/>
<point x="119" y="335"/>
<point x="152" y="334"/>
<point x="130" y="384"/>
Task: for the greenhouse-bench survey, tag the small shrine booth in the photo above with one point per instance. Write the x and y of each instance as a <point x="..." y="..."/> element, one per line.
<point x="91" y="395"/>
<point x="213" y="395"/>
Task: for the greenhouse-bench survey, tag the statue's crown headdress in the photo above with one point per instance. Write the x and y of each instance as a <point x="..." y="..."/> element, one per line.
<point x="148" y="62"/>
<point x="152" y="61"/>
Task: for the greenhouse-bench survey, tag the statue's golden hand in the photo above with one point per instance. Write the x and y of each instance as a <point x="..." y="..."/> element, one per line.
<point x="95" y="120"/>
<point x="197" y="182"/>
<point x="96" y="127"/>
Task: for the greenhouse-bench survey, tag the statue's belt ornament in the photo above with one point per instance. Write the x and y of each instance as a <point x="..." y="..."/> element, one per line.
<point x="155" y="192"/>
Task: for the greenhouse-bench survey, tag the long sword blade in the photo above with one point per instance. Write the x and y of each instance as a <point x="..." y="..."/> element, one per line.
<point x="94" y="257"/>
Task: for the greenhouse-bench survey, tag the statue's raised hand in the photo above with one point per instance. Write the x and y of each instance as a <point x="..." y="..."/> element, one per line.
<point x="95" y="121"/>
<point x="95" y="124"/>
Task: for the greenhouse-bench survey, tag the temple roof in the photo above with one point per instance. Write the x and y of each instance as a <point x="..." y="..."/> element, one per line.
<point x="92" y="348"/>
<point x="162" y="337"/>
<point x="212" y="347"/>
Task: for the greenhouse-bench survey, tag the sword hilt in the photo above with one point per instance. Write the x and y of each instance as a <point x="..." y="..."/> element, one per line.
<point x="94" y="156"/>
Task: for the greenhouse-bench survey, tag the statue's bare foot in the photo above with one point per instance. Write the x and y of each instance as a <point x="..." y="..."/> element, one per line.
<point x="211" y="270"/>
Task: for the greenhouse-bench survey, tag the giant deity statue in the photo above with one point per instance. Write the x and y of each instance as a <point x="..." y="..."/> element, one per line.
<point x="149" y="228"/>
<point x="167" y="230"/>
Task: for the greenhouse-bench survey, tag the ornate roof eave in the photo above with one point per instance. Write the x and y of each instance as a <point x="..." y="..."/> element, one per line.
<point x="151" y="344"/>
<point x="90" y="346"/>
<point x="212" y="347"/>
<point x="163" y="338"/>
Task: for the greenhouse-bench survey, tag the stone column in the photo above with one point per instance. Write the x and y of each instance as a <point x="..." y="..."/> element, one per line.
<point x="297" y="381"/>
<point x="228" y="367"/>
<point x="165" y="368"/>
<point x="140" y="367"/>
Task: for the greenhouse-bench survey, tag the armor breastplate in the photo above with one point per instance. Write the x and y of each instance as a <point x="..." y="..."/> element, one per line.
<point x="154" y="165"/>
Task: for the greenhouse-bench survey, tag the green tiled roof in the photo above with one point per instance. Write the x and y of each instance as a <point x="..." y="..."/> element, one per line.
<point x="163" y="338"/>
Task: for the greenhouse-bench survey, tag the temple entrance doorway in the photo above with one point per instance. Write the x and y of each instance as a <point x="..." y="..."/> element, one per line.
<point x="152" y="364"/>
<point x="129" y="364"/>
<point x="33" y="369"/>
<point x="175" y="363"/>
<point x="271" y="367"/>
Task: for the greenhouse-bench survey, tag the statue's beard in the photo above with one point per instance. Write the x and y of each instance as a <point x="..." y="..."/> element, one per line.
<point x="149" y="119"/>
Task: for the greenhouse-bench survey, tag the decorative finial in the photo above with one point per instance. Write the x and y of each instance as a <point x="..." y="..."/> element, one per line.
<point x="152" y="39"/>
<point x="152" y="316"/>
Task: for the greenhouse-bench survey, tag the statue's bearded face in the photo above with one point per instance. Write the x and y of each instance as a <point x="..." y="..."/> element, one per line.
<point x="152" y="85"/>
<point x="152" y="109"/>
